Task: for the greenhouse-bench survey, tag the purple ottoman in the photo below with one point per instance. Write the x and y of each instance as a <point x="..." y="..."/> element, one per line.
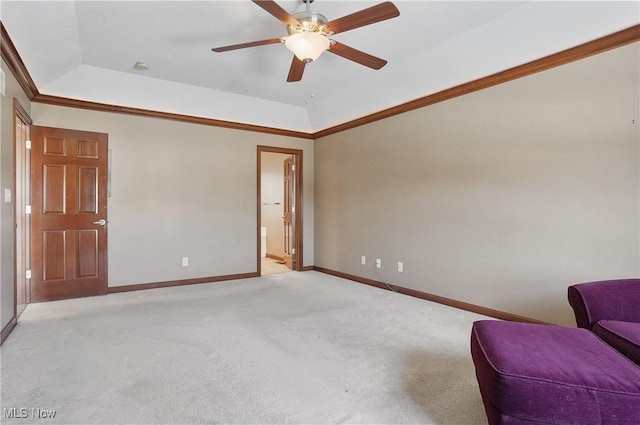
<point x="543" y="374"/>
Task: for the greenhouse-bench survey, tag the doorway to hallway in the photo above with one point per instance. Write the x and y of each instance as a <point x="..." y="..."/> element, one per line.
<point x="279" y="209"/>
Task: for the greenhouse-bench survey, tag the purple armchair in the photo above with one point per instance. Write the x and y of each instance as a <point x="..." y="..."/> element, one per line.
<point x="611" y="309"/>
<point x="605" y="300"/>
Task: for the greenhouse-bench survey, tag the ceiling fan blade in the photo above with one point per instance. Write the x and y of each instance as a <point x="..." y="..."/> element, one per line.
<point x="356" y="55"/>
<point x="274" y="9"/>
<point x="296" y="70"/>
<point x="368" y="16"/>
<point x="245" y="45"/>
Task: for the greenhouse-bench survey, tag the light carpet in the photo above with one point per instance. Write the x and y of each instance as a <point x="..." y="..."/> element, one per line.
<point x="282" y="349"/>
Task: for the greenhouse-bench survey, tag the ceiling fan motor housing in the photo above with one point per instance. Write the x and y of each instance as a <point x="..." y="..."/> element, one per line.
<point x="309" y="22"/>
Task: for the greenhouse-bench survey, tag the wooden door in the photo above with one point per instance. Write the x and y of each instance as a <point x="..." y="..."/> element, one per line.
<point x="289" y="212"/>
<point x="69" y="213"/>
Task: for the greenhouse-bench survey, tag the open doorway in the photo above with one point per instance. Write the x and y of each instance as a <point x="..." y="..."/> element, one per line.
<point x="279" y="210"/>
<point x="22" y="191"/>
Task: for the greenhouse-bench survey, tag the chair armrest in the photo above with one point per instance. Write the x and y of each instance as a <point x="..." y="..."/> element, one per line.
<point x="605" y="300"/>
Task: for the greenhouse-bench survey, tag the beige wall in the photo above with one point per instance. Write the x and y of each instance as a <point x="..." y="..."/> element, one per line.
<point x="181" y="190"/>
<point x="7" y="210"/>
<point x="500" y="198"/>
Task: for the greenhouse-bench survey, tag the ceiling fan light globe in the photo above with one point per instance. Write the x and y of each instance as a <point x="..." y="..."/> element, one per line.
<point x="307" y="46"/>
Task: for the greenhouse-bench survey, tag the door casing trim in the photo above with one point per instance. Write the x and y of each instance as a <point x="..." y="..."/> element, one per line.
<point x="19" y="113"/>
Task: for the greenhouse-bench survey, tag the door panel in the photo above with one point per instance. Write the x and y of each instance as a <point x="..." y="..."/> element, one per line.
<point x="289" y="208"/>
<point x="69" y="188"/>
<point x="53" y="255"/>
<point x="88" y="149"/>
<point x="87" y="185"/>
<point x="54" y="185"/>
<point x="88" y="253"/>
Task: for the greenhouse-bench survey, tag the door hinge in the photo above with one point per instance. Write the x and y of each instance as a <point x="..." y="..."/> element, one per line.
<point x="27" y="209"/>
<point x="293" y="251"/>
<point x="27" y="144"/>
<point x="293" y="209"/>
<point x="27" y="274"/>
<point x="293" y="167"/>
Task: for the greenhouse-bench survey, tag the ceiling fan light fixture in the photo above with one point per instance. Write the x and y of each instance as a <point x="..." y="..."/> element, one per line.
<point x="309" y="34"/>
<point x="307" y="46"/>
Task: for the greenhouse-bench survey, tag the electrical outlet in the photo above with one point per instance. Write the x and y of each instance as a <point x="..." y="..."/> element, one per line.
<point x="378" y="263"/>
<point x="400" y="267"/>
<point x="363" y="260"/>
<point x="185" y="261"/>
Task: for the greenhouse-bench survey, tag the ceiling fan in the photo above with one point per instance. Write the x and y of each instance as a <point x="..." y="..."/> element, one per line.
<point x="309" y="34"/>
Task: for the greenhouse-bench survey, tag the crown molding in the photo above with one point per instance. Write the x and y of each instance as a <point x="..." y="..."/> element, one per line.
<point x="104" y="107"/>
<point x="9" y="53"/>
<point x="600" y="45"/>
<point x="14" y="62"/>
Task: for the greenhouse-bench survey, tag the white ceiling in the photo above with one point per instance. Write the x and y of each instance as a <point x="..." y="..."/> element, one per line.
<point x="86" y="50"/>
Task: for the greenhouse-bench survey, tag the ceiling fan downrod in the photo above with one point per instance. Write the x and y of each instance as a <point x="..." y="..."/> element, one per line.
<point x="309" y="22"/>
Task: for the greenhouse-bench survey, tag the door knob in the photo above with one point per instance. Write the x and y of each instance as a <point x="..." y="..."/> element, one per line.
<point x="100" y="222"/>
